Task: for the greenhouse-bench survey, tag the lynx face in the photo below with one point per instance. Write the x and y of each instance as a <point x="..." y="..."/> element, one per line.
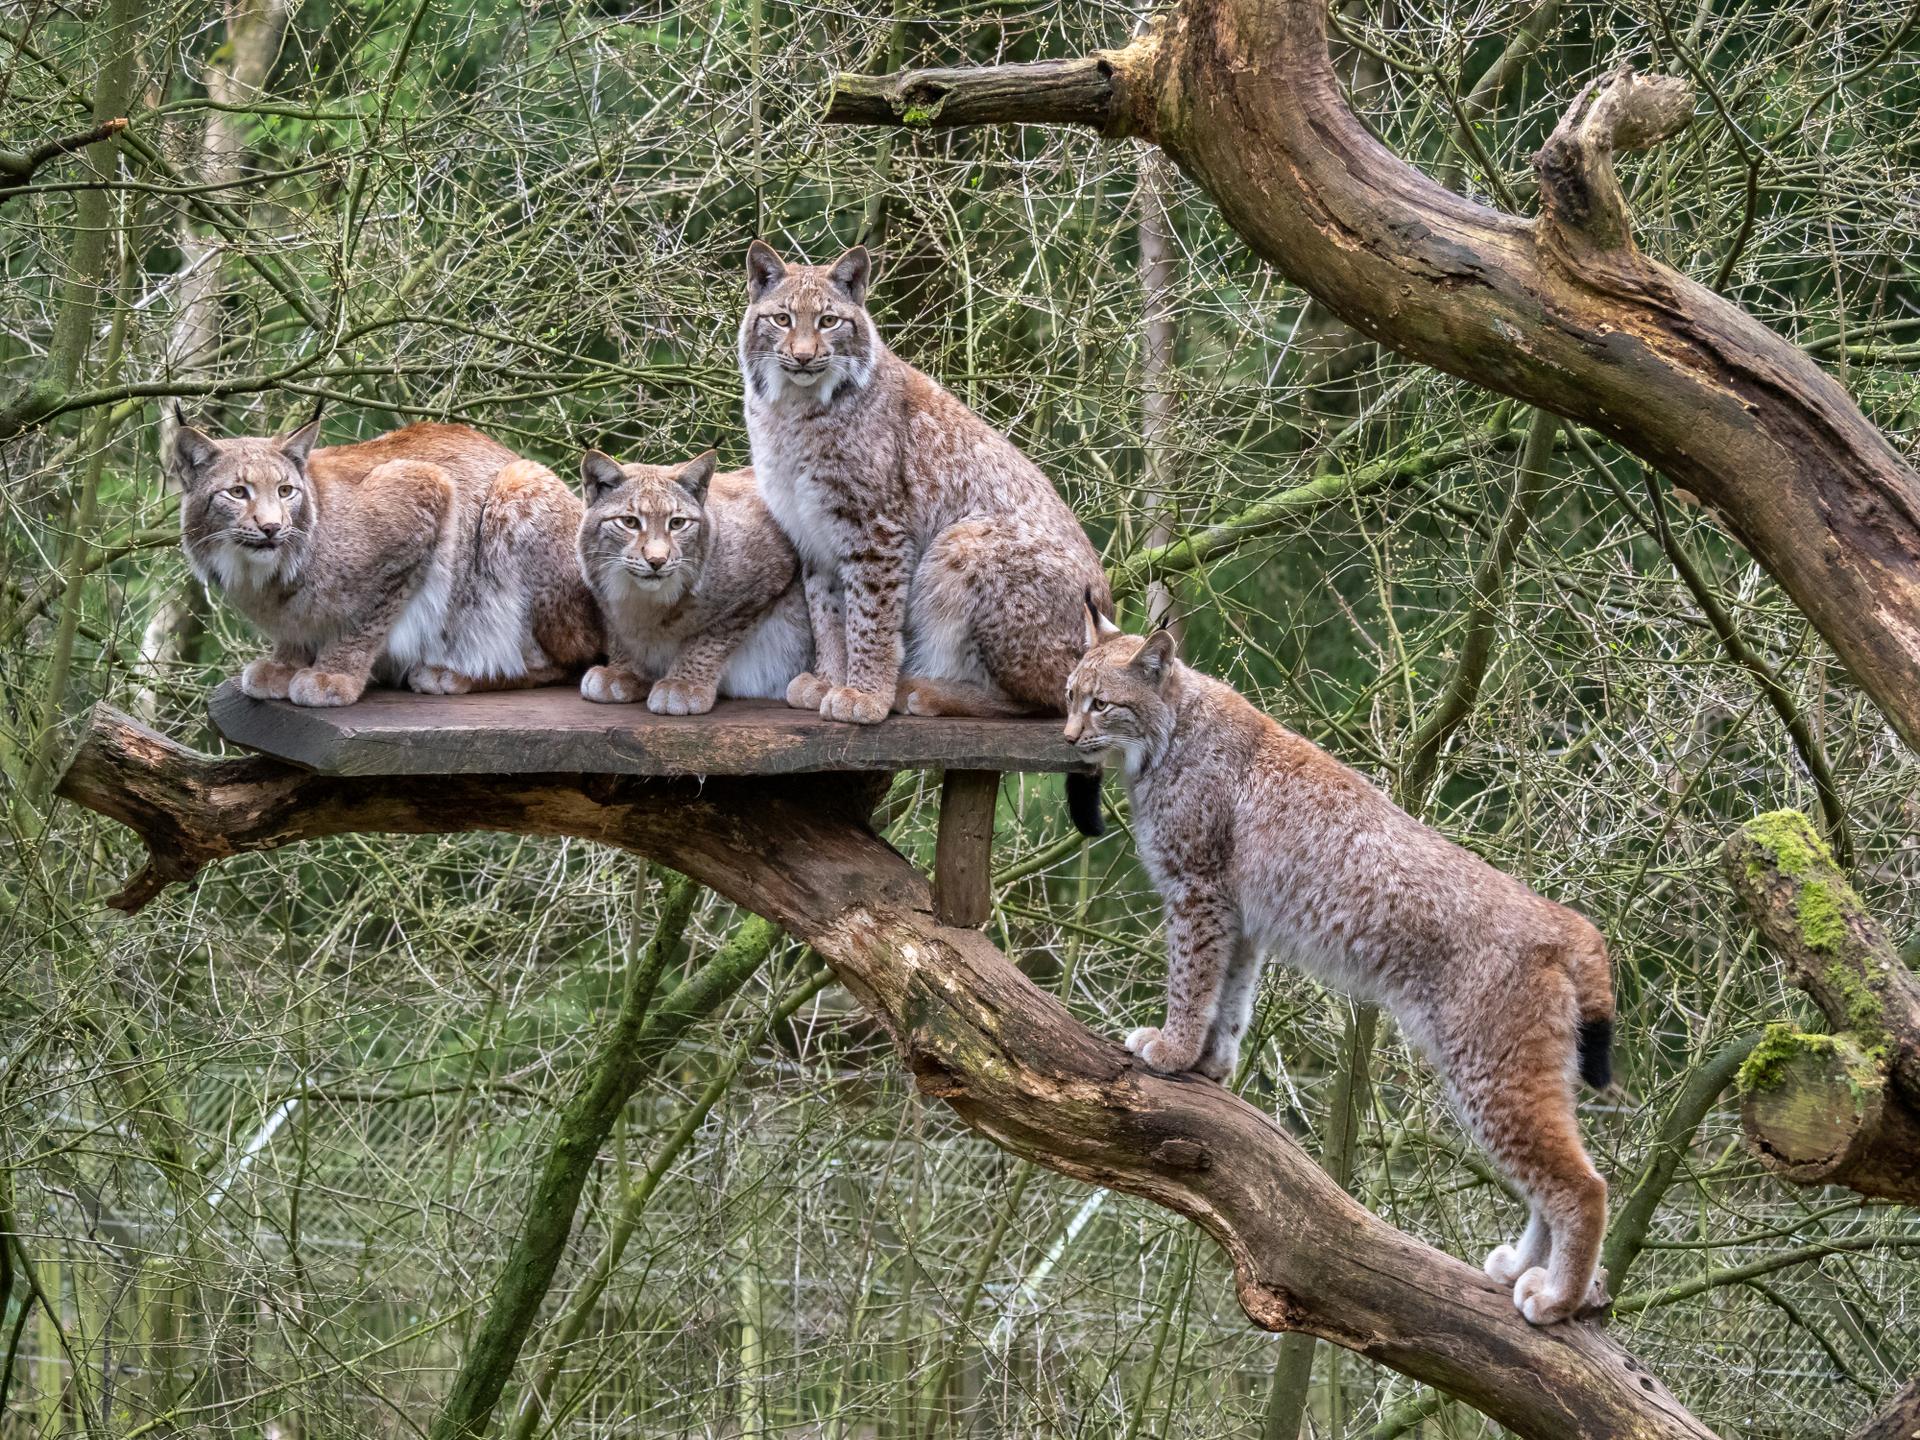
<point x="645" y="534"/>
<point x="1115" y="696"/>
<point x="248" y="514"/>
<point x="806" y="331"/>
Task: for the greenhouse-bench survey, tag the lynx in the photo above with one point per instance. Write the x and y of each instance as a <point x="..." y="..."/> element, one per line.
<point x="1260" y="841"/>
<point x="432" y="555"/>
<point x="925" y="535"/>
<point x="700" y="590"/>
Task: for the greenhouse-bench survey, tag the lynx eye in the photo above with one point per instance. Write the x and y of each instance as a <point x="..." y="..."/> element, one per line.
<point x="238" y="492"/>
<point x="679" y="522"/>
<point x="827" y="322"/>
<point x="783" y="320"/>
<point x="286" y="492"/>
<point x="628" y="522"/>
<point x="1100" y="707"/>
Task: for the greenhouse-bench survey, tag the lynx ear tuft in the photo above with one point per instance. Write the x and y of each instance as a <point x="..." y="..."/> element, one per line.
<point x="599" y="473"/>
<point x="698" y="474"/>
<point x="299" y="445"/>
<point x="765" y="269"/>
<point x="852" y="272"/>
<point x="191" y="450"/>
<point x="1099" y="627"/>
<point x="1155" y="657"/>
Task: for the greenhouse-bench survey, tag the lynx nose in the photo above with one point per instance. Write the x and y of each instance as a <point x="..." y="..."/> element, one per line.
<point x="270" y="528"/>
<point x="1076" y="723"/>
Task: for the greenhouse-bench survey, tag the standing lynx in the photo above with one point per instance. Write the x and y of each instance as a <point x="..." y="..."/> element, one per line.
<point x="433" y="554"/>
<point x="926" y="536"/>
<point x="700" y="590"/>
<point x="1259" y="841"/>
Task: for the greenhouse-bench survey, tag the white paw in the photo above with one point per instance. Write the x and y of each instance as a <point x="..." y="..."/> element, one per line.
<point x="1533" y="1294"/>
<point x="1504" y="1265"/>
<point x="843" y="702"/>
<point x="1137" y="1040"/>
<point x="437" y="680"/>
<point x="610" y="685"/>
<point x="806" y="690"/>
<point x="680" y="697"/>
<point x="1597" y="1296"/>
<point x="322" y="687"/>
<point x="266" y="680"/>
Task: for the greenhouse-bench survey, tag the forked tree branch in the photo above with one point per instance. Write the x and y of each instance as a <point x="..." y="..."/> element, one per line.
<point x="1562" y="311"/>
<point x="974" y="1032"/>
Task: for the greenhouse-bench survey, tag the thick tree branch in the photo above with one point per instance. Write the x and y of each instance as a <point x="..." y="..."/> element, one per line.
<point x="1840" y="1108"/>
<point x="1561" y="312"/>
<point x="17" y="167"/>
<point x="976" y="1033"/>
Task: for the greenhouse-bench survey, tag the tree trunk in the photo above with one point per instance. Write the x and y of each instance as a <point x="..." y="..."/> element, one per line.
<point x="1562" y="312"/>
<point x="973" y="1031"/>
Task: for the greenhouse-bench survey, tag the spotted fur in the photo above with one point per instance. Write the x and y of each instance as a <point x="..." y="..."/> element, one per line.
<point x="700" y="589"/>
<point x="1262" y="843"/>
<point x="943" y="572"/>
<point x="432" y="557"/>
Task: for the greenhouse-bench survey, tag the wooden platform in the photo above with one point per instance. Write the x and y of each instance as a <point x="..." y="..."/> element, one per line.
<point x="554" y="731"/>
<point x="523" y="732"/>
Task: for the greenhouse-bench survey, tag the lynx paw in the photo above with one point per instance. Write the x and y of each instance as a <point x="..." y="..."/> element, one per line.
<point x="267" y="679"/>
<point x="610" y="685"/>
<point x="843" y="702"/>
<point x="806" y="690"/>
<point x="1153" y="1047"/>
<point x="324" y="687"/>
<point x="1533" y="1294"/>
<point x="912" y="698"/>
<point x="438" y="680"/>
<point x="680" y="697"/>
<point x="1504" y="1264"/>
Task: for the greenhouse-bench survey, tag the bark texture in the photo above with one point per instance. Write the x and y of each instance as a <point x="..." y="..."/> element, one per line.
<point x="1562" y="311"/>
<point x="1841" y="1108"/>
<point x="975" y="1033"/>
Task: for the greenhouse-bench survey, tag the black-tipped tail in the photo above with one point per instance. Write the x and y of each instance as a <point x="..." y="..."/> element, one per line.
<point x="1083" y="805"/>
<point x="1596" y="1053"/>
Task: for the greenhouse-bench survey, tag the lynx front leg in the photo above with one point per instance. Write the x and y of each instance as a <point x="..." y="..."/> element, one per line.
<point x="268" y="677"/>
<point x="618" y="682"/>
<point x="1221" y="1057"/>
<point x="693" y="680"/>
<point x="1203" y="932"/>
<point x="876" y="604"/>
<point x="339" y="673"/>
<point x="824" y="613"/>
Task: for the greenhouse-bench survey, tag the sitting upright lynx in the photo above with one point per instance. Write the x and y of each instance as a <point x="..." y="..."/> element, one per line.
<point x="700" y="590"/>
<point x="432" y="553"/>
<point x="926" y="536"/>
<point x="1258" y="840"/>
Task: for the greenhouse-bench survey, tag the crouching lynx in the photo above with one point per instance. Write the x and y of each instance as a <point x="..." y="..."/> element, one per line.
<point x="700" y="591"/>
<point x="432" y="554"/>
<point x="926" y="536"/>
<point x="1260" y="841"/>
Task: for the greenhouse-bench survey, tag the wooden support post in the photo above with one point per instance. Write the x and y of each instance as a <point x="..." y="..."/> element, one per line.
<point x="963" y="850"/>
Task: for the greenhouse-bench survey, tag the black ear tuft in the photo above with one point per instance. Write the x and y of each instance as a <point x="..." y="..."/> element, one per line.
<point x="299" y="445"/>
<point x="1155" y="657"/>
<point x="852" y="272"/>
<point x="765" y="269"/>
<point x="698" y="474"/>
<point x="599" y="473"/>
<point x="191" y="450"/>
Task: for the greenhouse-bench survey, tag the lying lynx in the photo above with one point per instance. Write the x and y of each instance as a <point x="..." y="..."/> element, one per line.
<point x="700" y="591"/>
<point x="926" y="535"/>
<point x="432" y="555"/>
<point x="1259" y="841"/>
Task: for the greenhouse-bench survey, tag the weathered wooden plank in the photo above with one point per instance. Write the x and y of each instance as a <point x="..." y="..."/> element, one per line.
<point x="554" y="731"/>
<point x="963" y="848"/>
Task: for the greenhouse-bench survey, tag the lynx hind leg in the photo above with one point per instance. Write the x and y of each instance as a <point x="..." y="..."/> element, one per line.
<point x="999" y="606"/>
<point x="1518" y="1102"/>
<point x="533" y="521"/>
<point x="917" y="695"/>
<point x="1220" y="1058"/>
